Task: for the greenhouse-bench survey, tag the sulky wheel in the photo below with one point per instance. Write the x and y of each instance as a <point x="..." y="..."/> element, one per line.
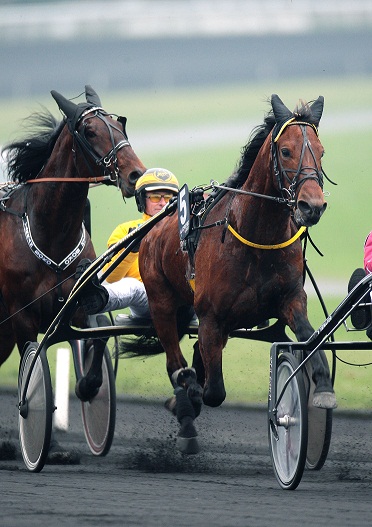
<point x="288" y="451"/>
<point x="319" y="425"/>
<point x="99" y="414"/>
<point x="35" y="414"/>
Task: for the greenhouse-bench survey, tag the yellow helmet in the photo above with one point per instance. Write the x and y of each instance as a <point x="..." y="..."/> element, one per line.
<point x="154" y="179"/>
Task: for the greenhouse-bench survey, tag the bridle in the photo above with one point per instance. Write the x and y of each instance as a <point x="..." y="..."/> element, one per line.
<point x="108" y="162"/>
<point x="288" y="195"/>
<point x="307" y="172"/>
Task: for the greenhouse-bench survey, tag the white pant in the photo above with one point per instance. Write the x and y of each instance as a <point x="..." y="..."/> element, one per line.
<point x="128" y="292"/>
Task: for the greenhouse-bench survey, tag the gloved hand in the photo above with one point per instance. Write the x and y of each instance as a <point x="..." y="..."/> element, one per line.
<point x="136" y="247"/>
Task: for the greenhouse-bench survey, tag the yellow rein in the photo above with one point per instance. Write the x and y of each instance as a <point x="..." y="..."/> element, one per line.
<point x="259" y="246"/>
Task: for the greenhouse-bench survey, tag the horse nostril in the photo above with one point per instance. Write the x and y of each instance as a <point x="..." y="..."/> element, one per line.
<point x="134" y="176"/>
<point x="305" y="208"/>
<point x="311" y="211"/>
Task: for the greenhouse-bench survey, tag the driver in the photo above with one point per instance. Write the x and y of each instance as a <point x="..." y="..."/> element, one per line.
<point x="361" y="317"/>
<point x="123" y="287"/>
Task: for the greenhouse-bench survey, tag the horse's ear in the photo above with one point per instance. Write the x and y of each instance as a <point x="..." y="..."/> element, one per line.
<point x="281" y="112"/>
<point x="68" y="108"/>
<point x="91" y="96"/>
<point x="317" y="109"/>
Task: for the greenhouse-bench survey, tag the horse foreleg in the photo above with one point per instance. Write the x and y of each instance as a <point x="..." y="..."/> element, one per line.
<point x="88" y="386"/>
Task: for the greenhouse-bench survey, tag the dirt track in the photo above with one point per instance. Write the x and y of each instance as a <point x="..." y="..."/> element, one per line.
<point x="145" y="481"/>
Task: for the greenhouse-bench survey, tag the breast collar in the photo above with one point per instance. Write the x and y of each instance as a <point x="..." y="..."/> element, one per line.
<point x="63" y="264"/>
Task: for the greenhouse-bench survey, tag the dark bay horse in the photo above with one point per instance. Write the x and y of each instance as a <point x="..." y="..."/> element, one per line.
<point x="42" y="235"/>
<point x="248" y="265"/>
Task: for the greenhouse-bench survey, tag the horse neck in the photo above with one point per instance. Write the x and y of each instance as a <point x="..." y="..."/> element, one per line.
<point x="57" y="209"/>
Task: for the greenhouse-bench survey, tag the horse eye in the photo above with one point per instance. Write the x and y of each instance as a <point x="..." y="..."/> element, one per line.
<point x="285" y="152"/>
<point x="89" y="134"/>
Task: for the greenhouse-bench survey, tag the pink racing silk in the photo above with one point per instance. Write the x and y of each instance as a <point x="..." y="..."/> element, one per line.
<point x="368" y="253"/>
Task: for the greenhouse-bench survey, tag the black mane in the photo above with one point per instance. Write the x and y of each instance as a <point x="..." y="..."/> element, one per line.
<point x="257" y="138"/>
<point x="26" y="157"/>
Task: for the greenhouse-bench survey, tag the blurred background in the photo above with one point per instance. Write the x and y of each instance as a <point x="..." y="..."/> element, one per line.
<point x="194" y="77"/>
<point x="162" y="44"/>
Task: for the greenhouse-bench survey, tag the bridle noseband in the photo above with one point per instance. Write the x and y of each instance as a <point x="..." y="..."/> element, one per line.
<point x="308" y="172"/>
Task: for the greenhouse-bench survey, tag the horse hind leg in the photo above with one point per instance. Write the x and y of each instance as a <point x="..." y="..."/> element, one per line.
<point x="87" y="387"/>
<point x="324" y="395"/>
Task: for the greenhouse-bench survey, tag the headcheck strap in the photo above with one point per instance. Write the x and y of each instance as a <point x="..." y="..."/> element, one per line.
<point x="300" y="231"/>
<point x="48" y="261"/>
<point x="290" y="121"/>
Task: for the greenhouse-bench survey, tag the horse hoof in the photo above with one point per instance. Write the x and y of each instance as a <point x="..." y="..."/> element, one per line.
<point x="325" y="400"/>
<point x="84" y="392"/>
<point x="188" y="445"/>
<point x="59" y="456"/>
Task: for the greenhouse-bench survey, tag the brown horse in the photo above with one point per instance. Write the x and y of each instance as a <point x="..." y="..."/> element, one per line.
<point x="247" y="266"/>
<point x="42" y="235"/>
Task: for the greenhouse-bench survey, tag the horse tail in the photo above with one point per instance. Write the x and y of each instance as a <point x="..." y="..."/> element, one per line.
<point x="148" y="344"/>
<point x="139" y="346"/>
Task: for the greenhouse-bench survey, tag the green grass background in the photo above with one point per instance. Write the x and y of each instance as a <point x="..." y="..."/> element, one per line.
<point x="339" y="235"/>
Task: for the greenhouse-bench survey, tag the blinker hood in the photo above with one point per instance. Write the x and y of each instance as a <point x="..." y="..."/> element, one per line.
<point x="72" y="111"/>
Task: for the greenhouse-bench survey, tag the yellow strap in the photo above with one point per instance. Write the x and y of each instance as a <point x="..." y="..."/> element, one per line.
<point x="283" y="127"/>
<point x="258" y="246"/>
<point x="293" y="121"/>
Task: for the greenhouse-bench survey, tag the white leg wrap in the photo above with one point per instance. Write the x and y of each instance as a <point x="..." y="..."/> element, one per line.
<point x="176" y="373"/>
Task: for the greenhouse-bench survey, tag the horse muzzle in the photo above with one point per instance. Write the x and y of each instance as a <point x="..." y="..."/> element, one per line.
<point x="307" y="214"/>
<point x="127" y="186"/>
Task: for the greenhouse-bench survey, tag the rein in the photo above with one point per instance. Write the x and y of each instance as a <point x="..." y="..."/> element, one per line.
<point x="97" y="179"/>
<point x="214" y="184"/>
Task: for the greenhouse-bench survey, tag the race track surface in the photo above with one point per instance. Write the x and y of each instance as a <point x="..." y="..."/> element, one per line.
<point x="145" y="481"/>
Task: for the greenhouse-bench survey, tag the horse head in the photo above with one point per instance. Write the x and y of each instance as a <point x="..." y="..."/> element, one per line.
<point x="296" y="155"/>
<point x="104" y="139"/>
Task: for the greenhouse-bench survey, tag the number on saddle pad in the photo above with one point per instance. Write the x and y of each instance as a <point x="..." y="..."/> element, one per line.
<point x="183" y="200"/>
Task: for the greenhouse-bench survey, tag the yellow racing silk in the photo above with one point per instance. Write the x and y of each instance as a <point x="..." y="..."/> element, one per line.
<point x="129" y="266"/>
